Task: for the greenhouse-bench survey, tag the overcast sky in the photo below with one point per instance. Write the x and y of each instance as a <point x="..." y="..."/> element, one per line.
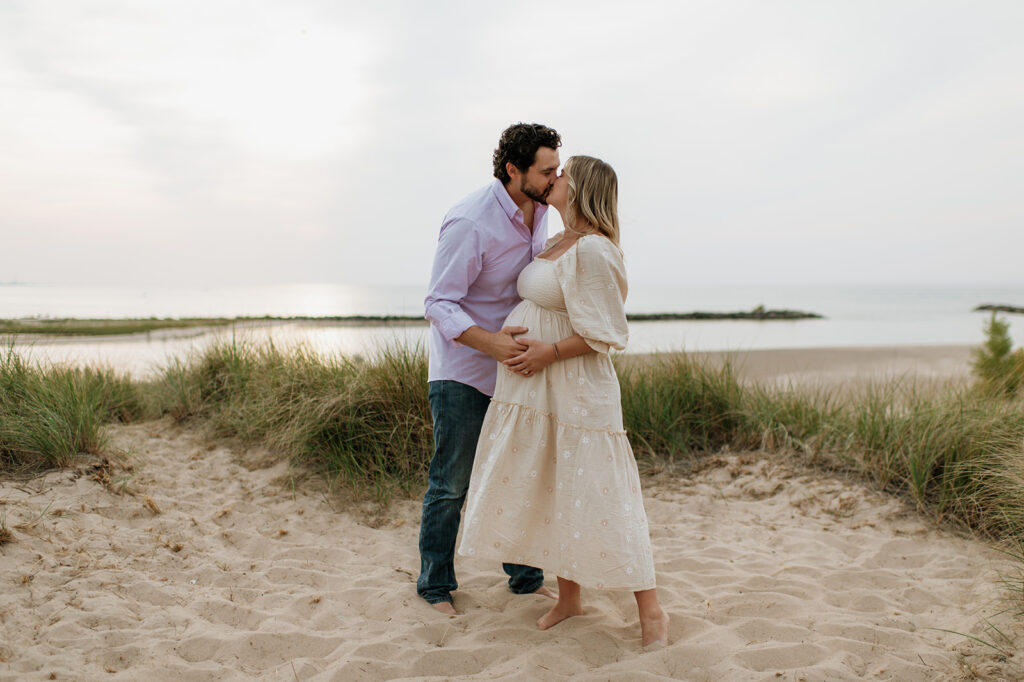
<point x="269" y="142"/>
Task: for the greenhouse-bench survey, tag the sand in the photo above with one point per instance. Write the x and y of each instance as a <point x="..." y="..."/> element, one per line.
<point x="842" y="368"/>
<point x="204" y="563"/>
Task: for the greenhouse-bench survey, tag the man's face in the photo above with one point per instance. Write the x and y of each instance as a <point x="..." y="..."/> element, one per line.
<point x="539" y="178"/>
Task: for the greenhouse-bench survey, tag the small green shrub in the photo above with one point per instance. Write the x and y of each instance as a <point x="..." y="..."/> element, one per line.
<point x="998" y="368"/>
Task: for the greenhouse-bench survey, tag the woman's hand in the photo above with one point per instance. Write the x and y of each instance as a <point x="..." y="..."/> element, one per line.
<point x="536" y="357"/>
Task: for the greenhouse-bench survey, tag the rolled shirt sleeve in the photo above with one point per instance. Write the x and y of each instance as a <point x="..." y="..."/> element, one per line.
<point x="593" y="280"/>
<point x="458" y="261"/>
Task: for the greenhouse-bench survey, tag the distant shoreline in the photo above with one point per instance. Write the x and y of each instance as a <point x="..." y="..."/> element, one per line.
<point x="119" y="326"/>
<point x="999" y="308"/>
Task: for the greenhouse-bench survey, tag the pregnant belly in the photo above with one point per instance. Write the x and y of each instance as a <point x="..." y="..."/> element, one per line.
<point x="543" y="324"/>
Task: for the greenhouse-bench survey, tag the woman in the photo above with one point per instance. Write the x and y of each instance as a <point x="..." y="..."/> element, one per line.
<point x="554" y="483"/>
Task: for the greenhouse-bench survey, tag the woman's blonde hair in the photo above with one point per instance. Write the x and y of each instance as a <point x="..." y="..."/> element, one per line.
<point x="593" y="195"/>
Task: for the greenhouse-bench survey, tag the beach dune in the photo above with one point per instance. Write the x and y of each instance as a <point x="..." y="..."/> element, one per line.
<point x="192" y="561"/>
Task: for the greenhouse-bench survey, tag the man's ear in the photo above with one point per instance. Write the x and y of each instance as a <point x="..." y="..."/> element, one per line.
<point x="511" y="169"/>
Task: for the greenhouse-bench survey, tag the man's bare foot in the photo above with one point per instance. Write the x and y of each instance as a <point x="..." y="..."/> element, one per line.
<point x="545" y="592"/>
<point x="558" y="613"/>
<point x="446" y="608"/>
<point x="655" y="630"/>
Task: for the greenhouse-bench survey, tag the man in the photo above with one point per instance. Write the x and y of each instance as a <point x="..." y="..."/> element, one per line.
<point x="485" y="241"/>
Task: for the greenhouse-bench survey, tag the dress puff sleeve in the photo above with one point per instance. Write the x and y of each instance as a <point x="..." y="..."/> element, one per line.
<point x="593" y="279"/>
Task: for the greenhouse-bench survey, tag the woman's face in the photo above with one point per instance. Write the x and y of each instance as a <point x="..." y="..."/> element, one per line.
<point x="559" y="192"/>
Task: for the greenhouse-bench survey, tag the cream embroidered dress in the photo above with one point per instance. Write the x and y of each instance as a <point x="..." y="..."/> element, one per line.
<point x="554" y="482"/>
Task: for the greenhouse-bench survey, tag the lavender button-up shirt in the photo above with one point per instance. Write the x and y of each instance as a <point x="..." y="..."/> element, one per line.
<point x="483" y="246"/>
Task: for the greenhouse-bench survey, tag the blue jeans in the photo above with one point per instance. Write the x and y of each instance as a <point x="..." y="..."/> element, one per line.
<point x="458" y="411"/>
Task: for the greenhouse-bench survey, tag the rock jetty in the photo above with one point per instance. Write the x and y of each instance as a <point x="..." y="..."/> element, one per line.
<point x="991" y="307"/>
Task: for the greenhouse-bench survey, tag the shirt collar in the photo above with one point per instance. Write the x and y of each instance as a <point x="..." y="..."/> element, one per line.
<point x="510" y="207"/>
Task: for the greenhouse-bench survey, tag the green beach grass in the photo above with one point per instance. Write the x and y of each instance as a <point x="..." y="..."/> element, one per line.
<point x="50" y="415"/>
<point x="367" y="422"/>
<point x="956" y="452"/>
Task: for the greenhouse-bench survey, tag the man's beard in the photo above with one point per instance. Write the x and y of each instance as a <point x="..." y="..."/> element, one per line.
<point x="539" y="197"/>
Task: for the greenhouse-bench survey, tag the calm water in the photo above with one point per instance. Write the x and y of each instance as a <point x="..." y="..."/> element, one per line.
<point x="867" y="315"/>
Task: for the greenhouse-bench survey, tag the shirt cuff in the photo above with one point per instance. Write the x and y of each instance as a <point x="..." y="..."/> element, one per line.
<point x="453" y="326"/>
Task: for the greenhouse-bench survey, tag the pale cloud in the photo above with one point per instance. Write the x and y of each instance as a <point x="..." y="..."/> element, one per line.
<point x="273" y="142"/>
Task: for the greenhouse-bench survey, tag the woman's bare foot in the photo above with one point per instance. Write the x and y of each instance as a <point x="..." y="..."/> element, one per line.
<point x="545" y="592"/>
<point x="654" y="629"/>
<point x="446" y="608"/>
<point x="558" y="613"/>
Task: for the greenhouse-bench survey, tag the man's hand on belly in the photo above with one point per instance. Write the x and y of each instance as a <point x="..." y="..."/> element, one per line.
<point x="499" y="345"/>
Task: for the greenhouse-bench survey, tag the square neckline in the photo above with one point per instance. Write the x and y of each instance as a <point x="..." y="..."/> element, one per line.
<point x="562" y="255"/>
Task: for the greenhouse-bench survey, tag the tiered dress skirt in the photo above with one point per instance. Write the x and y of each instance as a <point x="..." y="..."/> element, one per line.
<point x="555" y="484"/>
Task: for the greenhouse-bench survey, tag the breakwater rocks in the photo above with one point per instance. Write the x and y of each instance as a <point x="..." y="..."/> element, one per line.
<point x="758" y="313"/>
<point x="124" y="327"/>
<point x="991" y="307"/>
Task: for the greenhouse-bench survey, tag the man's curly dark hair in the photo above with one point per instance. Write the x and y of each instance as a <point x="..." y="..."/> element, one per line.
<point x="519" y="144"/>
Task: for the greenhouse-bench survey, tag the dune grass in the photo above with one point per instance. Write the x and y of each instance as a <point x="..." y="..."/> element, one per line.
<point x="958" y="453"/>
<point x="367" y="422"/>
<point x="49" y="415"/>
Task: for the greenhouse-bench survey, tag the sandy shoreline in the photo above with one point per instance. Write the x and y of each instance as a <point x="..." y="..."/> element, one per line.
<point x="835" y="366"/>
<point x="197" y="562"/>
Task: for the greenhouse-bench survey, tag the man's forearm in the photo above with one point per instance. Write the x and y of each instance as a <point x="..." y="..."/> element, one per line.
<point x="477" y="338"/>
